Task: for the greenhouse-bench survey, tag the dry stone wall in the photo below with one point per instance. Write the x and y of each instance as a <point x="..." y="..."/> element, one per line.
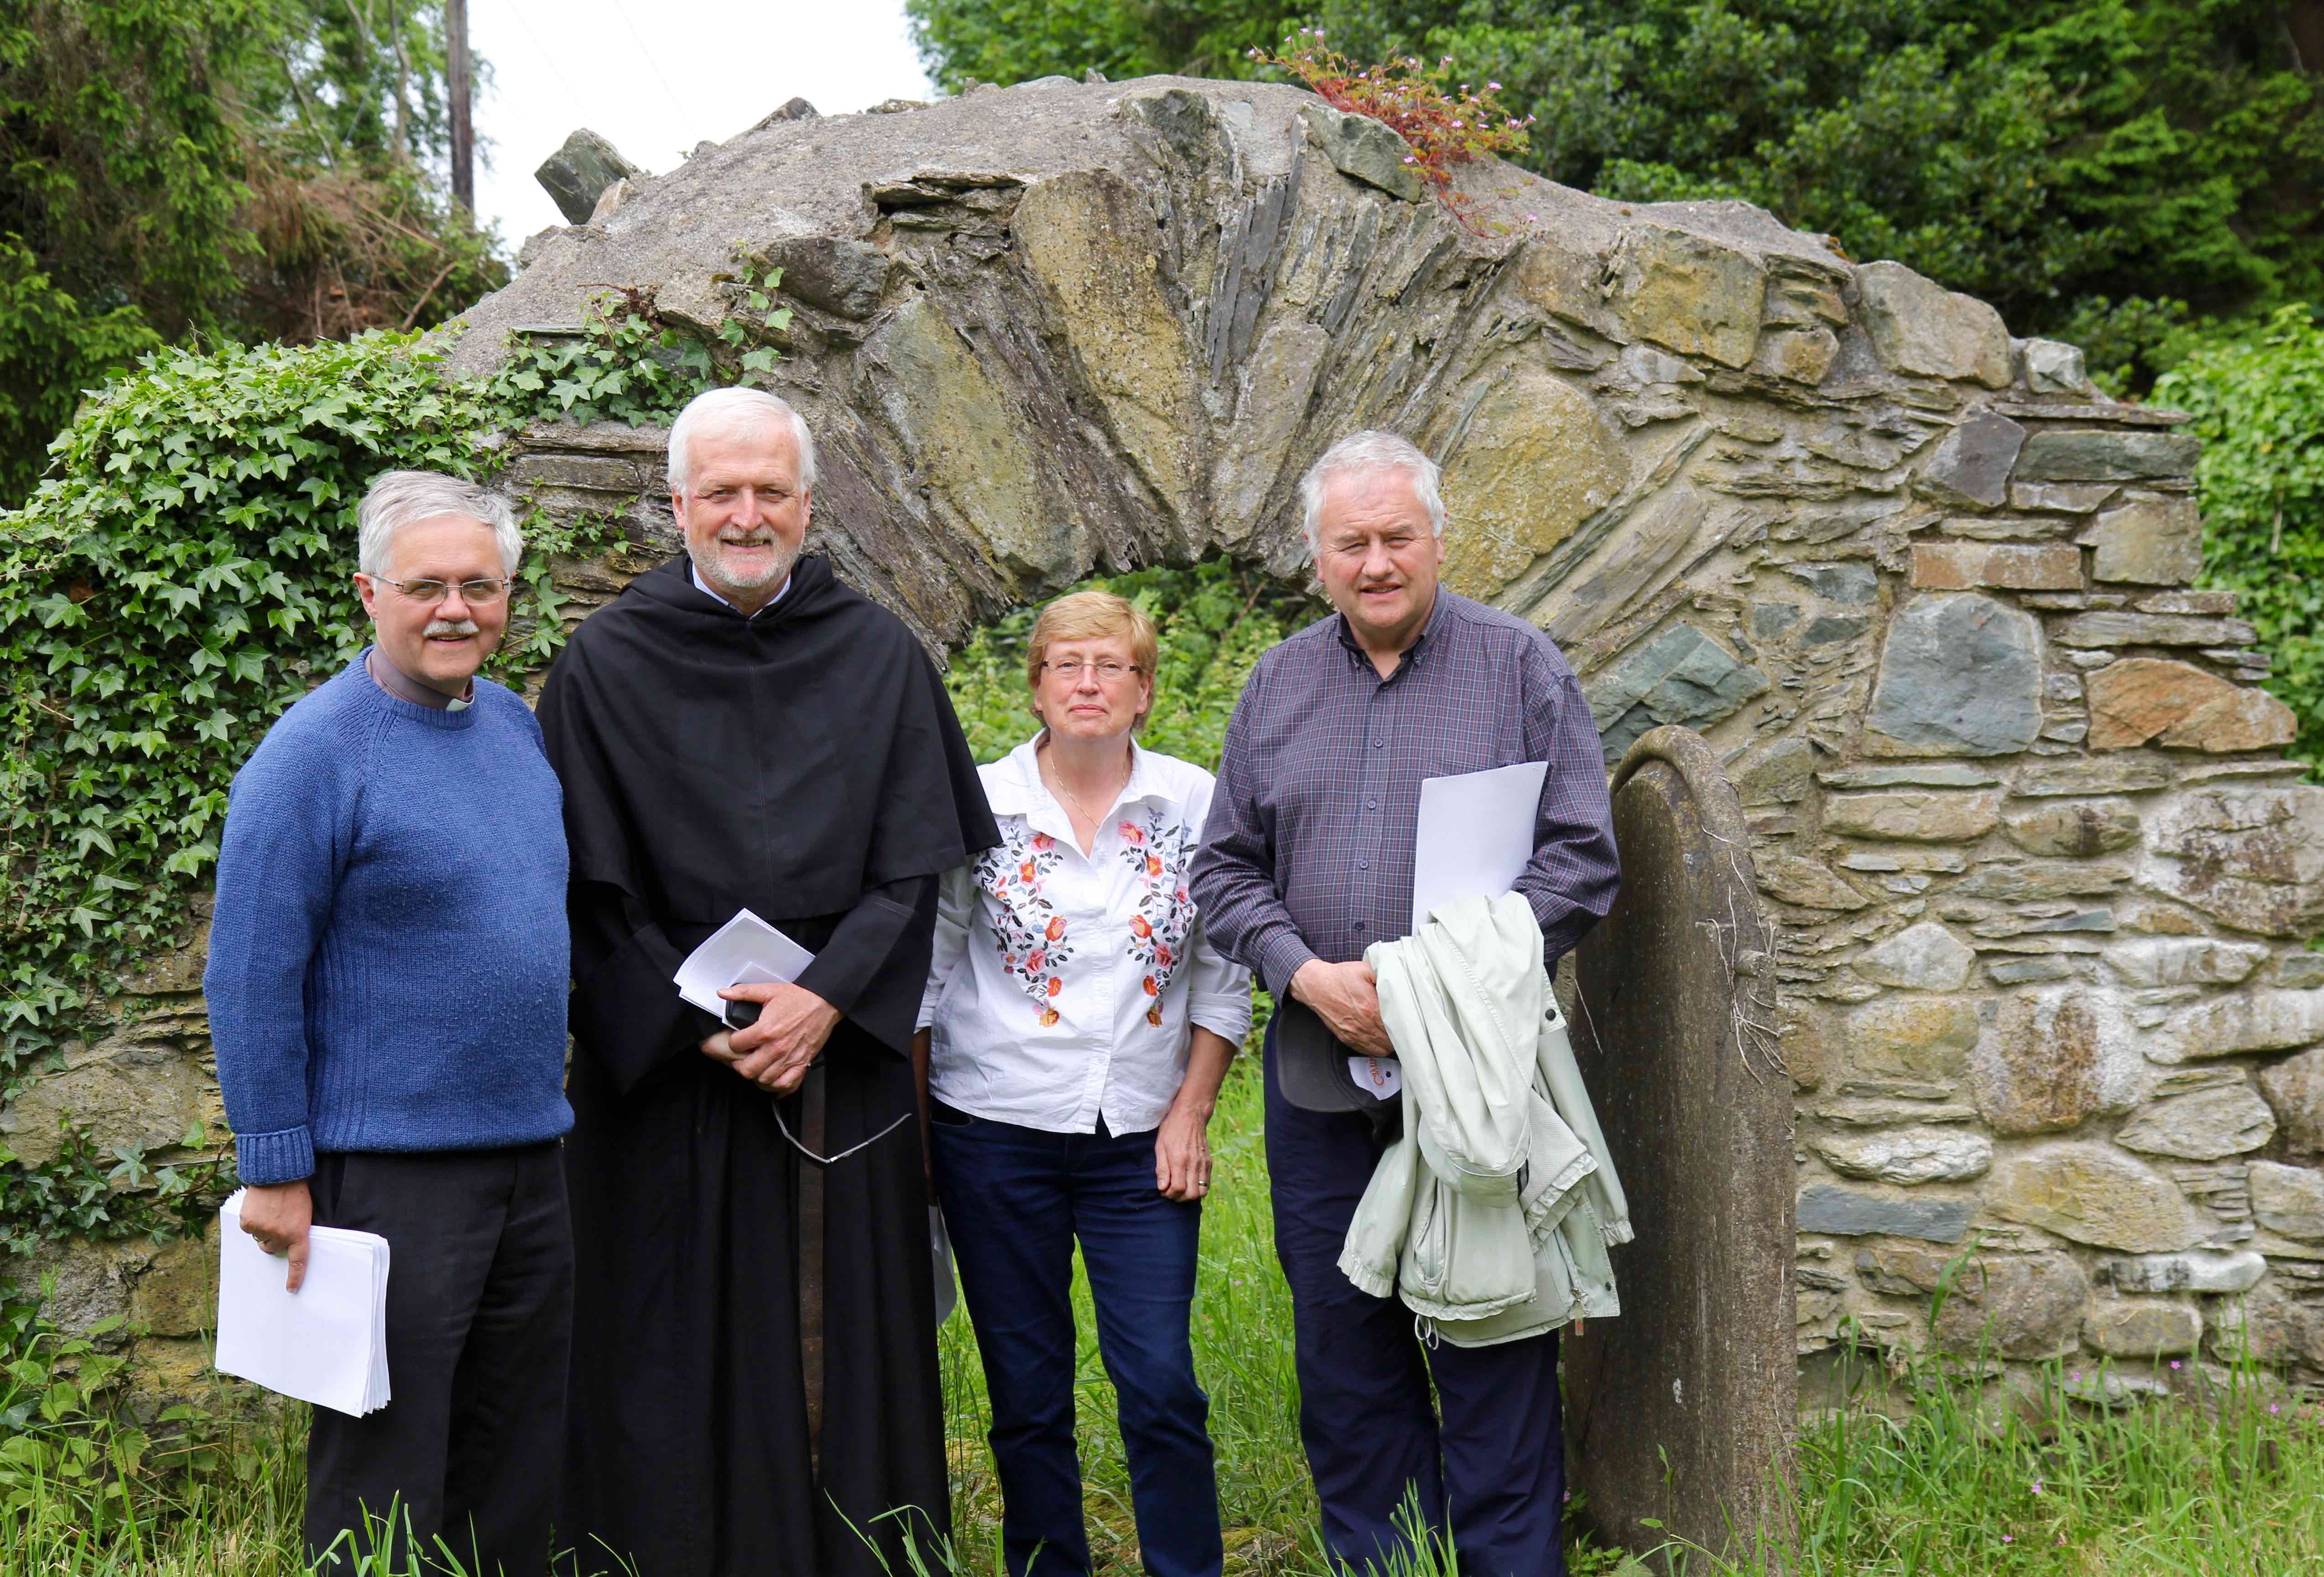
<point x="2039" y="883"/>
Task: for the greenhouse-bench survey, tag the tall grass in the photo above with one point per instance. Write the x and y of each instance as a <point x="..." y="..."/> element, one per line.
<point x="1931" y="1475"/>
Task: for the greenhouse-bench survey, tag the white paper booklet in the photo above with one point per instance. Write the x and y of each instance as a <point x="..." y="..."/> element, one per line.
<point x="1476" y="834"/>
<point x="326" y="1343"/>
<point x="745" y="949"/>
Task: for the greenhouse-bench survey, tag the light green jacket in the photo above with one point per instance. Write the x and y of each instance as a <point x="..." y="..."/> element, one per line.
<point x="1492" y="1216"/>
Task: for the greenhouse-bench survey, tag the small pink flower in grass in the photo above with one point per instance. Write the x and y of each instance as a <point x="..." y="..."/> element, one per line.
<point x="2009" y="1538"/>
<point x="2037" y="1486"/>
<point x="2076" y="1377"/>
<point x="2174" y="1363"/>
<point x="2273" y="1408"/>
<point x="1492" y="87"/>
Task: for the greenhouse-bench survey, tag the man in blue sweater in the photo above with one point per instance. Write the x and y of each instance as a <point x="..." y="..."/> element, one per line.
<point x="387" y="981"/>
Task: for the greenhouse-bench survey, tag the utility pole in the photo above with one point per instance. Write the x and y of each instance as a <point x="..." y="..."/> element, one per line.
<point x="463" y="135"/>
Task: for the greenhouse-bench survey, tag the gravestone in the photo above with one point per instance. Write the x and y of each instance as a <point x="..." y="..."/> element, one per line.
<point x="1682" y="1409"/>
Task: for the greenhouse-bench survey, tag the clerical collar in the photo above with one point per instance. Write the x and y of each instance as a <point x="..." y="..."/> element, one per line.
<point x="703" y="586"/>
<point x="404" y="687"/>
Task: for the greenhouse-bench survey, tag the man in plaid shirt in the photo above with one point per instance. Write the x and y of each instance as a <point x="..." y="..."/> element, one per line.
<point x="1306" y="861"/>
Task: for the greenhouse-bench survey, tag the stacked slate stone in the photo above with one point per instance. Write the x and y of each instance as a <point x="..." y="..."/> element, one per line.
<point x="2039" y="880"/>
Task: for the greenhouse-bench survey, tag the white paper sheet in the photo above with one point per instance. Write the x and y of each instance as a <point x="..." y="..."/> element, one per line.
<point x="1377" y="1076"/>
<point x="744" y="949"/>
<point x="326" y="1343"/>
<point x="1476" y="834"/>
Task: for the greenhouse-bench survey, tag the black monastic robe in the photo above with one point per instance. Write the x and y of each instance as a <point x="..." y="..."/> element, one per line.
<point x="806" y="765"/>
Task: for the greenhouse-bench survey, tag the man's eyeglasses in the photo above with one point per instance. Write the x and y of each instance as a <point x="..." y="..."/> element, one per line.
<point x="434" y="591"/>
<point x="1108" y="673"/>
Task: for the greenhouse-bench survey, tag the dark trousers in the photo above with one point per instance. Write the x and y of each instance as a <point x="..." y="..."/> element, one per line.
<point x="1014" y="1200"/>
<point x="1493" y="1467"/>
<point x="479" y="1317"/>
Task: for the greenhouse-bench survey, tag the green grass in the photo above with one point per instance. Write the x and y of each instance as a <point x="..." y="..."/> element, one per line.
<point x="1924" y="1477"/>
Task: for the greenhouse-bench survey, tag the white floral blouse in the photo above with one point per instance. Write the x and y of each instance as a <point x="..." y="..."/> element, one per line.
<point x="1065" y="986"/>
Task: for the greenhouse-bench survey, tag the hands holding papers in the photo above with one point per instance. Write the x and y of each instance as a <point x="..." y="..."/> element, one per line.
<point x="745" y="975"/>
<point x="326" y="1342"/>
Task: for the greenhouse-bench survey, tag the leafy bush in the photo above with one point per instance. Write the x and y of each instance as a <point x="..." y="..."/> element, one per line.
<point x="2258" y="406"/>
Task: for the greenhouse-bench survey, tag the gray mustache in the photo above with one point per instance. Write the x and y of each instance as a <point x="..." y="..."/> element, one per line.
<point x="449" y="627"/>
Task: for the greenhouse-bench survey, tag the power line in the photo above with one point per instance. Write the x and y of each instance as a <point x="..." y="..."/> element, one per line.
<point x="684" y="113"/>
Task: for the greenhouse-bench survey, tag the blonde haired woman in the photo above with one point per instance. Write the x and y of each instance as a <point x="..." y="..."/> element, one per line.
<point x="1076" y="1027"/>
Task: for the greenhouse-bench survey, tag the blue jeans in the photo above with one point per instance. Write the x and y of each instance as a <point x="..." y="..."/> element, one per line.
<point x="1014" y="1200"/>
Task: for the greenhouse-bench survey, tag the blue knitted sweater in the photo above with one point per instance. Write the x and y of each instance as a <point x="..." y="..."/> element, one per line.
<point x="388" y="960"/>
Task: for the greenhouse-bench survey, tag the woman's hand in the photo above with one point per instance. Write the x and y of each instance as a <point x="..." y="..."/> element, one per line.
<point x="1182" y="1151"/>
<point x="1182" y="1146"/>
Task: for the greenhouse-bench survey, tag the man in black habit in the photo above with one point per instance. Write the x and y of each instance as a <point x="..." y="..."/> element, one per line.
<point x="754" y="1360"/>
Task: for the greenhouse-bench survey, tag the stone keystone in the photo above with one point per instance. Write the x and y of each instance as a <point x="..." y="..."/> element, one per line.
<point x="1959" y="674"/>
<point x="2096" y="1194"/>
<point x="577" y="174"/>
<point x="1918" y="325"/>
<point x="1365" y="149"/>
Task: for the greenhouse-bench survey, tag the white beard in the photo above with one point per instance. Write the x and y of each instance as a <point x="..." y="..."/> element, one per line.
<point x="710" y="563"/>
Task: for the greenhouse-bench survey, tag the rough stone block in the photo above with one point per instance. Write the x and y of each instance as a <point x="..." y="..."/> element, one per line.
<point x="1914" y="1038"/>
<point x="1971" y="466"/>
<point x="2072" y="498"/>
<point x="1959" y="674"/>
<point x="2127" y="1328"/>
<point x="2175" y="961"/>
<point x="2288" y="1199"/>
<point x="2295" y="1090"/>
<point x="2300" y="971"/>
<point x="176" y="1292"/>
<point x="2054" y="367"/>
<point x="2197" y="1271"/>
<point x="1925" y="957"/>
<point x="2209" y="1125"/>
<point x="1803" y="356"/>
<point x="580" y="171"/>
<point x="122" y="1092"/>
<point x="2149" y="541"/>
<point x="2134" y="699"/>
<point x="1788" y="879"/>
<point x="1365" y="149"/>
<point x="845" y="278"/>
<point x="2112" y="455"/>
<point x="1917" y="326"/>
<point x="2053" y="1059"/>
<point x="2109" y="628"/>
<point x="1907" y="1156"/>
<point x="1686" y="292"/>
<point x="1681" y="676"/>
<point x="2014" y="1306"/>
<point x="2256" y="1020"/>
<point x="1855" y="586"/>
<point x="1830" y="629"/>
<point x="1778" y="774"/>
<point x="2042" y="779"/>
<point x="2073" y="829"/>
<point x="1850" y="1213"/>
<point x="1921" y="816"/>
<point x="2010" y="565"/>
<point x="2248" y="719"/>
<point x="2094" y="1193"/>
<point x="1533" y="461"/>
<point x="2251" y="857"/>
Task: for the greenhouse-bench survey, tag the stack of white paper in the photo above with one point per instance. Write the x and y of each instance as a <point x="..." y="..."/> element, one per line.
<point x="744" y="950"/>
<point x="326" y="1343"/>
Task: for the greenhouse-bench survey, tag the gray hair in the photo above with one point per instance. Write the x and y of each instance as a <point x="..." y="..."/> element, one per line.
<point x="1369" y="450"/>
<point x="725" y="408"/>
<point x="397" y="498"/>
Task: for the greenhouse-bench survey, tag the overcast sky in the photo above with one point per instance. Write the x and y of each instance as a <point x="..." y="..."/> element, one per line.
<point x="656" y="77"/>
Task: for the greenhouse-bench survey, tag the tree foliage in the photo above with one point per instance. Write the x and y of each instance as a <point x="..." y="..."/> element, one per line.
<point x="2258" y="405"/>
<point x="2116" y="170"/>
<point x="175" y="170"/>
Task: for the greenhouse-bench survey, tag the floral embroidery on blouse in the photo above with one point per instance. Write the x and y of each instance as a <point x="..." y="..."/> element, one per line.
<point x="1026" y="927"/>
<point x="1157" y="855"/>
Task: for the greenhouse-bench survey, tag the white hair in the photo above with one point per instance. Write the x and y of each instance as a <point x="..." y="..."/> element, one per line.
<point x="721" y="409"/>
<point x="397" y="498"/>
<point x="1369" y="450"/>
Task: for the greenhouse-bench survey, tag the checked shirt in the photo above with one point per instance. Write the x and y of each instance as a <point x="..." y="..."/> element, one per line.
<point x="1308" y="850"/>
